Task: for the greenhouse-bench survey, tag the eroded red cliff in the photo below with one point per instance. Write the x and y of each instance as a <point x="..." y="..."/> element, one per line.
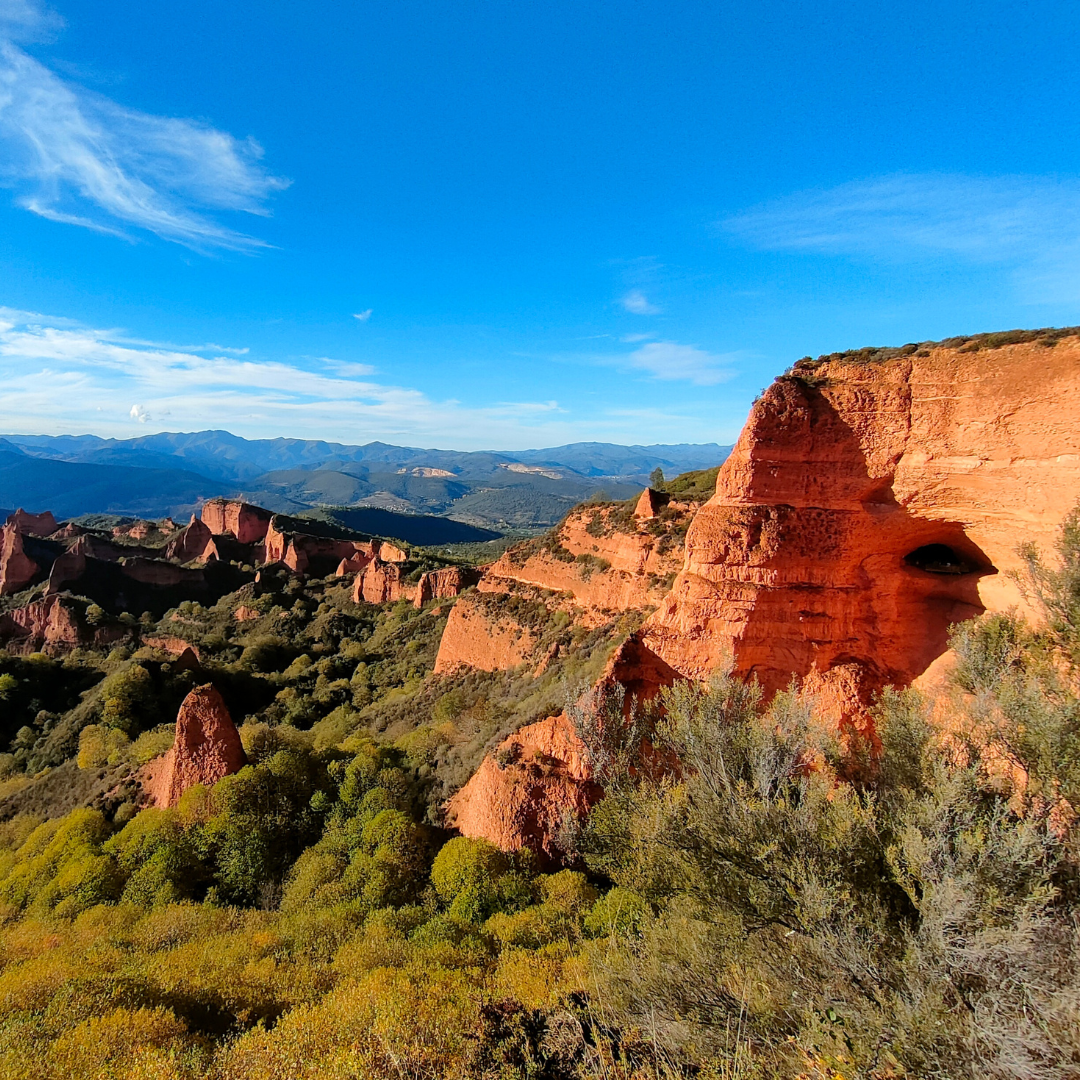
<point x="866" y="508"/>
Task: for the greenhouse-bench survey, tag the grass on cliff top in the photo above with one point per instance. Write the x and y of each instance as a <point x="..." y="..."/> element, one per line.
<point x="1047" y="337"/>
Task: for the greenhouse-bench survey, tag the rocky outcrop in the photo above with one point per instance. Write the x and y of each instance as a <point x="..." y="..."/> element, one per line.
<point x="170" y="644"/>
<point x="33" y="524"/>
<point x="608" y="562"/>
<point x="194" y="543"/>
<point x="303" y="553"/>
<point x="866" y="508"/>
<point x="246" y="523"/>
<point x="17" y="569"/>
<point x="480" y="634"/>
<point x="521" y="794"/>
<point x="650" y="503"/>
<point x="206" y="748"/>
<point x="379" y="583"/>
<point x="601" y="563"/>
<point x="445" y="584"/>
<point x="52" y="624"/>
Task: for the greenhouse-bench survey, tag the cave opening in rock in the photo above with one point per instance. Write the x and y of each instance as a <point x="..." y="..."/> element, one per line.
<point x="940" y="559"/>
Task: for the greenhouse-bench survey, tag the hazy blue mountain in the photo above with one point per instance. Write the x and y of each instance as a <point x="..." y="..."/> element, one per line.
<point x="170" y="473"/>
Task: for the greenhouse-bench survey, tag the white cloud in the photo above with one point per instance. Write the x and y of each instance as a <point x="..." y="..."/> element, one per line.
<point x="670" y="360"/>
<point x="78" y="158"/>
<point x="631" y="339"/>
<point x="22" y="20"/>
<point x="636" y="302"/>
<point x="1029" y="225"/>
<point x="61" y="377"/>
<point x="363" y="316"/>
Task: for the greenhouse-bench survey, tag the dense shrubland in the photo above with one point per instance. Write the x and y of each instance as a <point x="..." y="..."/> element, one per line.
<point x="782" y="904"/>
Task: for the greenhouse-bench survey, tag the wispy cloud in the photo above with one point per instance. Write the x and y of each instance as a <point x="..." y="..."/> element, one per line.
<point x="670" y="360"/>
<point x="62" y="377"/>
<point x="637" y="303"/>
<point x="76" y="157"/>
<point x="1028" y="224"/>
<point x="363" y="316"/>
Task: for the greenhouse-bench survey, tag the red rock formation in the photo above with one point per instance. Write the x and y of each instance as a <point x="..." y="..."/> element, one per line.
<point x="380" y="583"/>
<point x="191" y="544"/>
<point x="600" y="564"/>
<point x="17" y="569"/>
<point x="68" y="567"/>
<point x="52" y="624"/>
<point x="206" y="748"/>
<point x="520" y="795"/>
<point x="138" y="530"/>
<point x="299" y="551"/>
<point x="33" y="524"/>
<point x="391" y="552"/>
<point x="479" y="635"/>
<point x="609" y="565"/>
<point x="68" y="532"/>
<point x="353" y="563"/>
<point x="445" y="584"/>
<point x="866" y="508"/>
<point x="650" y="503"/>
<point x="246" y="614"/>
<point x="175" y="645"/>
<point x="248" y="524"/>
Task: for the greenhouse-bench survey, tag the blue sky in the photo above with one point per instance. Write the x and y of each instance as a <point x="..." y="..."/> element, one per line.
<point x="496" y="224"/>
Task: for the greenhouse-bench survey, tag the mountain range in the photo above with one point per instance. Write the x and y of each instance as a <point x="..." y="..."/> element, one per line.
<point x="172" y="473"/>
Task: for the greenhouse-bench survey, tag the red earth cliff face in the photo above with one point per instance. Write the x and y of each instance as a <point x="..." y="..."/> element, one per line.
<point x="17" y="569"/>
<point x="207" y="747"/>
<point x="445" y="584"/>
<point x="378" y="583"/>
<point x="478" y="635"/>
<point x="869" y="506"/>
<point x="607" y="564"/>
<point x="245" y="522"/>
<point x="51" y="624"/>
<point x="193" y="542"/>
<point x="602" y="562"/>
<point x="520" y="795"/>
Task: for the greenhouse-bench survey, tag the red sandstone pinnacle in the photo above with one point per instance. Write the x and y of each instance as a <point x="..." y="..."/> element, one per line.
<point x="17" y="569"/>
<point x="193" y="542"/>
<point x="247" y="523"/>
<point x="206" y="748"/>
<point x="650" y="503"/>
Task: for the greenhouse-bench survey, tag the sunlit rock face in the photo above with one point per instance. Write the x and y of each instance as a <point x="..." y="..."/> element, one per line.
<point x="206" y="748"/>
<point x="866" y="508"/>
<point x="246" y="523"/>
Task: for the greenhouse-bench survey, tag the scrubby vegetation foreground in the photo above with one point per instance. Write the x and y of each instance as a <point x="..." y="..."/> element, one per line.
<point x="780" y="906"/>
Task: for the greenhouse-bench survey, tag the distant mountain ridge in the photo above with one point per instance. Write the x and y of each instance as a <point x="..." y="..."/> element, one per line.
<point x="88" y="474"/>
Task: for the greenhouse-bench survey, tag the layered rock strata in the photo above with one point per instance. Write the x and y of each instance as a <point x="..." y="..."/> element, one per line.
<point x="602" y="562"/>
<point x="867" y="507"/>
